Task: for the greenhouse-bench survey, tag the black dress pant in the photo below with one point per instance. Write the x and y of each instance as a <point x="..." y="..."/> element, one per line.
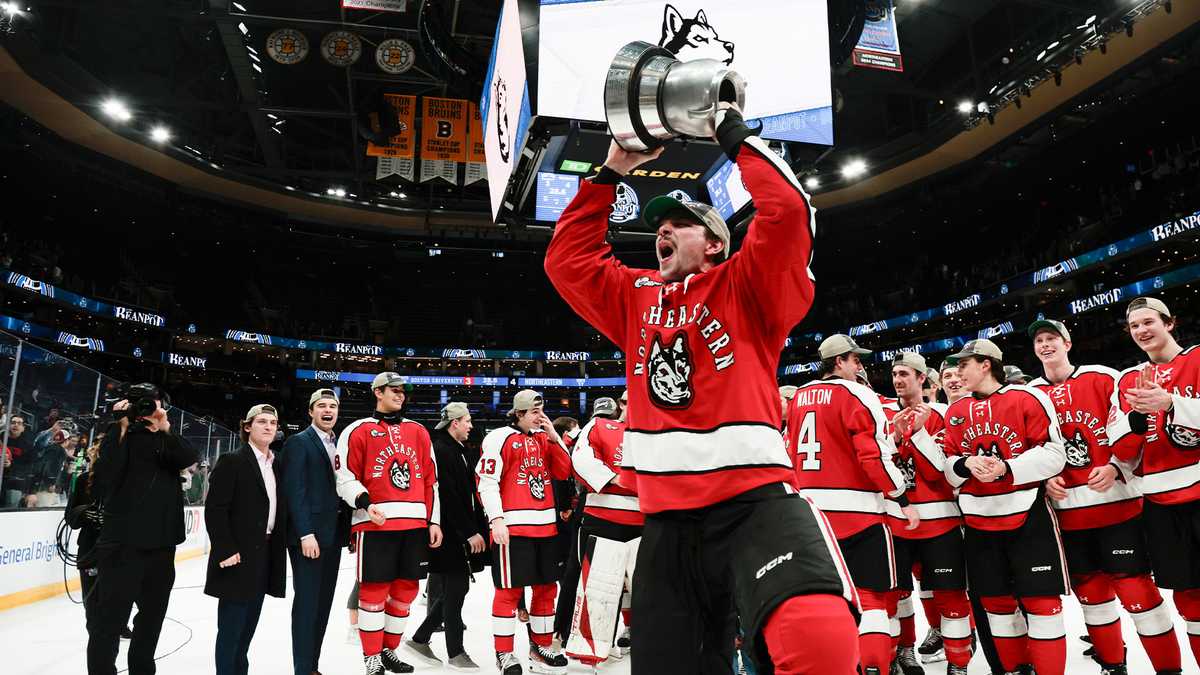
<point x="125" y="578"/>
<point x="313" y="582"/>
<point x="236" y="622"/>
<point x="446" y="608"/>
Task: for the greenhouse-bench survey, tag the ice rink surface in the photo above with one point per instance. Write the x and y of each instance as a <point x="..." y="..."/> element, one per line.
<point x="49" y="637"/>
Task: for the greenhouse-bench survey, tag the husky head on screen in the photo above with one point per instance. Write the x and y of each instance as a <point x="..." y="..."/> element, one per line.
<point x="400" y="475"/>
<point x="694" y="38"/>
<point x="501" y="115"/>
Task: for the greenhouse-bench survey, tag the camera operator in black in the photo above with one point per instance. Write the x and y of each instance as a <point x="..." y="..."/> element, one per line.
<point x="137" y="478"/>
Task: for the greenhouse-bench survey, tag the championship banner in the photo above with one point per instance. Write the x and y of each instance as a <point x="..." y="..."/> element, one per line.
<point x="376" y="5"/>
<point x="397" y="157"/>
<point x="476" y="160"/>
<point x="443" y="138"/>
<point x="879" y="45"/>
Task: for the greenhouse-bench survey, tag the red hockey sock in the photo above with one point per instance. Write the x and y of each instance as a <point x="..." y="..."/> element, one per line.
<point x="930" y="606"/>
<point x="908" y="624"/>
<point x="541" y="614"/>
<point x="627" y="616"/>
<point x="1152" y="618"/>
<point x="830" y="644"/>
<point x="372" y="601"/>
<point x="955" y="621"/>
<point x="1187" y="601"/>
<point x="1008" y="629"/>
<point x="400" y="596"/>
<point x="874" y="631"/>
<point x="1047" y="644"/>
<point x="504" y="617"/>
<point x="1102" y="615"/>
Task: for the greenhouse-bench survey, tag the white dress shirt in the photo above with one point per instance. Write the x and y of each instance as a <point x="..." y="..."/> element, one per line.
<point x="329" y="440"/>
<point x="265" y="460"/>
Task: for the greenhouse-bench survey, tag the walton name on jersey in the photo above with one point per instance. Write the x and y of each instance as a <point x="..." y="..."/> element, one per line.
<point x="1001" y="431"/>
<point x="714" y="333"/>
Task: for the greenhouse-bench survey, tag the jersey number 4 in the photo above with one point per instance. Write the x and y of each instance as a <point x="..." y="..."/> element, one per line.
<point x="807" y="446"/>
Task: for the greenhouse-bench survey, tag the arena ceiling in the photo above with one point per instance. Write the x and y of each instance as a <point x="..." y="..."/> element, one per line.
<point x="252" y="130"/>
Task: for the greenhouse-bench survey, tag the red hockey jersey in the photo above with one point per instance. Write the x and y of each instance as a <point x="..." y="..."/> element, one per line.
<point x="514" y="473"/>
<point x="1016" y="424"/>
<point x="701" y="354"/>
<point x="597" y="461"/>
<point x="394" y="464"/>
<point x="1082" y="402"/>
<point x="922" y="460"/>
<point x="843" y="454"/>
<point x="1170" y="461"/>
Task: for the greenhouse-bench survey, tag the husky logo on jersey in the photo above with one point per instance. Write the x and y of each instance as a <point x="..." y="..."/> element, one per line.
<point x="537" y="486"/>
<point x="1183" y="437"/>
<point x="626" y="206"/>
<point x="1078" y="453"/>
<point x="400" y="475"/>
<point x="670" y="373"/>
<point x="992" y="450"/>
<point x="908" y="467"/>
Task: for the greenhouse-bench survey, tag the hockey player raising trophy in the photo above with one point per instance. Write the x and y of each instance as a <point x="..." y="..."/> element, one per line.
<point x="724" y="531"/>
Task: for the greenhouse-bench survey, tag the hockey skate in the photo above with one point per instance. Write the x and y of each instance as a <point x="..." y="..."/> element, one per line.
<point x="507" y="663"/>
<point x="546" y="660"/>
<point x="906" y="662"/>
<point x="932" y="648"/>
<point x="374" y="664"/>
<point x="625" y="642"/>
<point x="393" y="662"/>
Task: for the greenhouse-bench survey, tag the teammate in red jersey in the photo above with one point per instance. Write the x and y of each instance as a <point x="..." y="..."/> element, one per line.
<point x="516" y="465"/>
<point x="703" y="334"/>
<point x="843" y="461"/>
<point x="951" y="383"/>
<point x="1099" y="510"/>
<point x="1155" y="421"/>
<point x="934" y="550"/>
<point x="610" y="512"/>
<point x="386" y="470"/>
<point x="1002" y="442"/>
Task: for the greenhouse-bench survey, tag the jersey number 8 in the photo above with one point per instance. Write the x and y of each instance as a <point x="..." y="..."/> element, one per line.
<point x="807" y="444"/>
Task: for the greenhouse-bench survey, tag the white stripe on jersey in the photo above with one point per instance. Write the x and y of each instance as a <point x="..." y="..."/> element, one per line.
<point x="703" y="451"/>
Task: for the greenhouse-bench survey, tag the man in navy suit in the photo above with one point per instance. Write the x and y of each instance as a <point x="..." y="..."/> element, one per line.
<point x="317" y="530"/>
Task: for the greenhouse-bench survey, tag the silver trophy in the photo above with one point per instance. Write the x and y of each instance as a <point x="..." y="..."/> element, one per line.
<point x="651" y="97"/>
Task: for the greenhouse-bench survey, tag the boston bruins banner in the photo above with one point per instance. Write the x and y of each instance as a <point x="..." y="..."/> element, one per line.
<point x="397" y="157"/>
<point x="476" y="162"/>
<point x="443" y="138"/>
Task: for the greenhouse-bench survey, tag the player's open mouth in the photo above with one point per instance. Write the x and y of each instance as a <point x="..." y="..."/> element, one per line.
<point x="327" y="418"/>
<point x="665" y="251"/>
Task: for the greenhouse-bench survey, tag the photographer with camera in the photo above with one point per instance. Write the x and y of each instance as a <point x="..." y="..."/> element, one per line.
<point x="137" y="479"/>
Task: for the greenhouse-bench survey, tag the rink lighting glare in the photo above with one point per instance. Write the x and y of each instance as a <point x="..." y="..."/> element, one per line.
<point x="812" y="183"/>
<point x="239" y="7"/>
<point x="256" y="67"/>
<point x="965" y="107"/>
<point x="336" y="192"/>
<point x="242" y="27"/>
<point x="854" y="169"/>
<point x="116" y="110"/>
<point x="10" y="8"/>
<point x="160" y="134"/>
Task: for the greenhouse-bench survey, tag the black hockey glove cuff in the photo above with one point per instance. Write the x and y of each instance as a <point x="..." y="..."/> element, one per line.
<point x="732" y="131"/>
<point x="960" y="468"/>
<point x="606" y="177"/>
<point x="902" y="500"/>
<point x="362" y="501"/>
<point x="1137" y="422"/>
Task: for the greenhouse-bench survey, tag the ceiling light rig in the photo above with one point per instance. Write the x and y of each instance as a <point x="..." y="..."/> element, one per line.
<point x="116" y="109"/>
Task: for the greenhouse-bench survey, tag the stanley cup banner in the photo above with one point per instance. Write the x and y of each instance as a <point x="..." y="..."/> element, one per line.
<point x="397" y="157"/>
<point x="476" y="160"/>
<point x="443" y="138"/>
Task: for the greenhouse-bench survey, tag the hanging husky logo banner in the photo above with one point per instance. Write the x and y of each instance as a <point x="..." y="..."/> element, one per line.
<point x="791" y="94"/>
<point x="879" y="45"/>
<point x="505" y="103"/>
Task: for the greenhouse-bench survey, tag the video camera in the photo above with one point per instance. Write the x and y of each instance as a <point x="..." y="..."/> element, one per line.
<point x="143" y="398"/>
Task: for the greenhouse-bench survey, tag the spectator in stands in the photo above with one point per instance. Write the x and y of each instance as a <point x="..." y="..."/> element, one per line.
<point x="51" y="458"/>
<point x="16" y="471"/>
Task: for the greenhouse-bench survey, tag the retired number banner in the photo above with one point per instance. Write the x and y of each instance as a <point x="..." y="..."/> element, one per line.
<point x="397" y="157"/>
<point x="443" y="138"/>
